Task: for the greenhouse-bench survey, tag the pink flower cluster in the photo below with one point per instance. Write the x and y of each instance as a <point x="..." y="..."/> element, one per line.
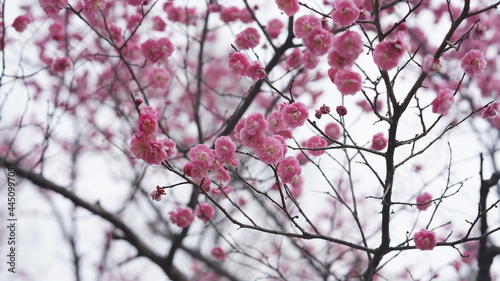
<point x="443" y="102"/>
<point x="247" y="39"/>
<point x="348" y="82"/>
<point x="204" y="212"/>
<point x="387" y="54"/>
<point x="424" y="201"/>
<point x="206" y="165"/>
<point x="60" y="65"/>
<point x="182" y="217"/>
<point x="318" y="41"/>
<point x="425" y="240"/>
<point x="346" y="48"/>
<point x="289" y="169"/>
<point x="240" y="65"/>
<point x="145" y="144"/>
<point x="52" y="7"/>
<point x="346" y="12"/>
<point x="473" y="63"/>
<point x="157" y="51"/>
<point x="290" y="7"/>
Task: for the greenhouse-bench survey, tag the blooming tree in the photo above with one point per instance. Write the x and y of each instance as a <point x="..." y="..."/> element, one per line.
<point x="196" y="140"/>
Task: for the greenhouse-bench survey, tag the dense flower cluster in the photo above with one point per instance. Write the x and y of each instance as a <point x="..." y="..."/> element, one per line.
<point x="145" y="144"/>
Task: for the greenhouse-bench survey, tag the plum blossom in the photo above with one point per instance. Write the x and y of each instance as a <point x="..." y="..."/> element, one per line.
<point x="157" y="50"/>
<point x="21" y="22"/>
<point x="310" y="60"/>
<point x="238" y="63"/>
<point x="182" y="217"/>
<point x="294" y="114"/>
<point x="424" y="201"/>
<point x="288" y="168"/>
<point x="290" y="7"/>
<point x="294" y="59"/>
<point x="271" y="150"/>
<point x="443" y="102"/>
<point x="157" y="193"/>
<point x="318" y="41"/>
<point x="151" y="151"/>
<point x="158" y="78"/>
<point x="473" y="62"/>
<point x="204" y="211"/>
<point x="379" y="142"/>
<point x="348" y="82"/>
<point x="256" y="71"/>
<point x="346" y="12"/>
<point x="225" y="149"/>
<point x="60" y="65"/>
<point x="274" y="28"/>
<point x="341" y="110"/>
<point x="93" y="6"/>
<point x="491" y="111"/>
<point x="333" y="130"/>
<point x="304" y="25"/>
<point x="247" y="39"/>
<point x="349" y="45"/>
<point x="218" y="253"/>
<point x="316" y="143"/>
<point x="387" y="54"/>
<point x="158" y="24"/>
<point x="53" y="7"/>
<point x="275" y="122"/>
<point x="425" y="240"/>
<point x="201" y="156"/>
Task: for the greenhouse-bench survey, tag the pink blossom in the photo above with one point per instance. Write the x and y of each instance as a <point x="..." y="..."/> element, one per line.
<point x="169" y="147"/>
<point x="443" y="102"/>
<point x="479" y="32"/>
<point x="310" y="60"/>
<point x="251" y="141"/>
<point x="256" y="71"/>
<point x="157" y="50"/>
<point x="182" y="217"/>
<point x="275" y="122"/>
<point x="56" y="31"/>
<point x="229" y="14"/>
<point x="21" y="22"/>
<point x="294" y="114"/>
<point x="255" y="123"/>
<point x="60" y="65"/>
<point x="151" y="151"/>
<point x="387" y="54"/>
<point x="204" y="212"/>
<point x="225" y="149"/>
<point x="290" y="7"/>
<point x="52" y="7"/>
<point x="333" y="130"/>
<point x="245" y="16"/>
<point x="93" y="6"/>
<point x="157" y="193"/>
<point x="218" y="253"/>
<point x="336" y="61"/>
<point x="346" y="12"/>
<point x="221" y="192"/>
<point x="220" y="176"/>
<point x="287" y="168"/>
<point x="317" y="143"/>
<point x="379" y="142"/>
<point x="425" y="240"/>
<point x="148" y="124"/>
<point x="341" y="110"/>
<point x="305" y="24"/>
<point x="201" y="156"/>
<point x="349" y="45"/>
<point x="348" y="82"/>
<point x="158" y="78"/>
<point x="158" y="23"/>
<point x="115" y="33"/>
<point x="491" y="111"/>
<point x="271" y="150"/>
<point x="318" y="41"/>
<point x="274" y="28"/>
<point x="423" y="201"/>
<point x="238" y="63"/>
<point x="194" y="172"/>
<point x="431" y="65"/>
<point x="294" y="59"/>
<point x="473" y="62"/>
<point x="247" y="39"/>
